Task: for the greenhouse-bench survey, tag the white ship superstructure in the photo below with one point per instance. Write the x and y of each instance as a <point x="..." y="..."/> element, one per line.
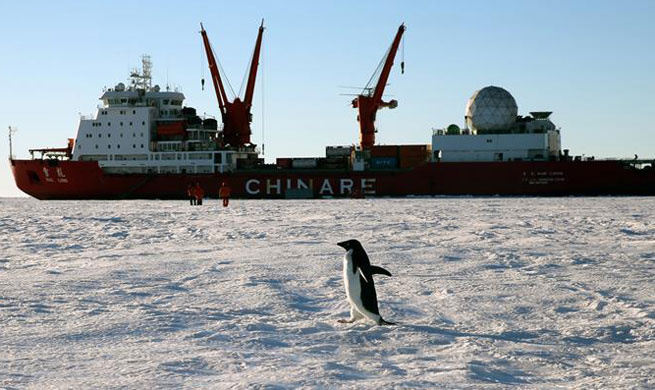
<point x="142" y="129"/>
<point x="495" y="132"/>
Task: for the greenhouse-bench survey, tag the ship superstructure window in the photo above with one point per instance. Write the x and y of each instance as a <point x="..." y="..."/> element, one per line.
<point x="133" y="146"/>
<point x="130" y="123"/>
<point x="143" y="123"/>
<point x="108" y="135"/>
<point x="99" y="135"/>
<point x="133" y="111"/>
<point x="141" y="146"/>
<point x="121" y="123"/>
<point x="108" y="123"/>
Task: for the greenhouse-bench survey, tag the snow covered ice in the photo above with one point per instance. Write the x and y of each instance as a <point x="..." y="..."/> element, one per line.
<point x="489" y="293"/>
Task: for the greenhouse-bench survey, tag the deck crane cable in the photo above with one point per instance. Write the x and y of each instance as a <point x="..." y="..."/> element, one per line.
<point x="261" y="83"/>
<point x="245" y="75"/>
<point x="223" y="75"/>
<point x="368" y="89"/>
<point x="202" y="66"/>
<point x="402" y="54"/>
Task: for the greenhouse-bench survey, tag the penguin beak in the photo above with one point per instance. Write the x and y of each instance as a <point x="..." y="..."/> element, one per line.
<point x="343" y="244"/>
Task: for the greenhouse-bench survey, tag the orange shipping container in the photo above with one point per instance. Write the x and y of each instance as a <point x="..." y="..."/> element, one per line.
<point x="413" y="150"/>
<point x="384" y="151"/>
<point x="412" y="162"/>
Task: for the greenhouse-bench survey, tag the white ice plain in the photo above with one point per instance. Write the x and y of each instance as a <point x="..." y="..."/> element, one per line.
<point x="489" y="293"/>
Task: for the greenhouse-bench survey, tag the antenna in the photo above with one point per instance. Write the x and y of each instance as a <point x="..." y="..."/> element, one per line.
<point x="11" y="131"/>
<point x="143" y="79"/>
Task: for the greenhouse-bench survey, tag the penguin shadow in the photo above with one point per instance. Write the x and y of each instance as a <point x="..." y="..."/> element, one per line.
<point x="449" y="335"/>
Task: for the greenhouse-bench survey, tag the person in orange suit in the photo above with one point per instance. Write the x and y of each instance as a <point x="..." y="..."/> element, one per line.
<point x="190" y="192"/>
<point x="224" y="193"/>
<point x="200" y="193"/>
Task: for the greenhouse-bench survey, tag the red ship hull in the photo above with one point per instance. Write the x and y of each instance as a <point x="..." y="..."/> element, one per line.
<point x="52" y="179"/>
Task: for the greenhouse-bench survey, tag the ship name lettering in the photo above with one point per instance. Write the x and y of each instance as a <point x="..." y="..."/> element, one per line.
<point x="276" y="187"/>
<point x="249" y="188"/>
<point x="368" y="186"/>
<point x="326" y="187"/>
<point x="346" y="184"/>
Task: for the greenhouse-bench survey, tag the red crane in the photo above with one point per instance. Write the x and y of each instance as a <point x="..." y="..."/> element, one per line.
<point x="370" y="101"/>
<point x="236" y="115"/>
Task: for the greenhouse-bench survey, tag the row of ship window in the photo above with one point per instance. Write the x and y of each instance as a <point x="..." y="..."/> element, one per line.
<point x="98" y="124"/>
<point x="122" y="112"/>
<point x="109" y="146"/>
<point x="89" y="135"/>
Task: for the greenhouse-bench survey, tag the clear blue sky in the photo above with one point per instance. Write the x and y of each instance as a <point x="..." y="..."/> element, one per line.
<point x="590" y="62"/>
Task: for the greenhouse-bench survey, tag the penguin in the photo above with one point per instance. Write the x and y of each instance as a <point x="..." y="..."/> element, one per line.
<point x="358" y="280"/>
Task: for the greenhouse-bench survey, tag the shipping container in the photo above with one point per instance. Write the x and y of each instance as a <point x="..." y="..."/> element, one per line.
<point x="384" y="151"/>
<point x="338" y="151"/>
<point x="249" y="163"/>
<point x="283" y="163"/>
<point x="410" y="162"/>
<point x="304" y="162"/>
<point x="384" y="162"/>
<point x="413" y="150"/>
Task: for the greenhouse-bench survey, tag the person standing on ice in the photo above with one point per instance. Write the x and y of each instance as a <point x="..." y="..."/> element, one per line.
<point x="224" y="193"/>
<point x="190" y="192"/>
<point x="200" y="193"/>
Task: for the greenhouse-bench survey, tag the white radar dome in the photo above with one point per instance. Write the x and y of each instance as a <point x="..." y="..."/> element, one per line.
<point x="120" y="87"/>
<point x="491" y="108"/>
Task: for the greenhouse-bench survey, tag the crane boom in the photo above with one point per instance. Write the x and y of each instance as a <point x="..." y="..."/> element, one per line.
<point x="252" y="76"/>
<point x="388" y="63"/>
<point x="369" y="104"/>
<point x="213" y="69"/>
<point x="235" y="114"/>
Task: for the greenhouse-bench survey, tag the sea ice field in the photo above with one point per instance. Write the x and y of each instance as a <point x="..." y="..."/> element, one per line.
<point x="488" y="293"/>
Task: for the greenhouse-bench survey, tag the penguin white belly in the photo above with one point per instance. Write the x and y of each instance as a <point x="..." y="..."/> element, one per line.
<point x="354" y="290"/>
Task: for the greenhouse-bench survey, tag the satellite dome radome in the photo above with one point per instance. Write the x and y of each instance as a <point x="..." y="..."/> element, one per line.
<point x="491" y="108"/>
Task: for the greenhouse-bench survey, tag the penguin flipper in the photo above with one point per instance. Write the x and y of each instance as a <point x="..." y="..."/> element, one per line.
<point x="379" y="270"/>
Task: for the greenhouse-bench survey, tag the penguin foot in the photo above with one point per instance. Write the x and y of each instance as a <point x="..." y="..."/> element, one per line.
<point x="349" y="321"/>
<point x="383" y="322"/>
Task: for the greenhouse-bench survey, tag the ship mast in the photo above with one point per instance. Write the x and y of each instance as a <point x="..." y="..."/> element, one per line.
<point x="236" y="115"/>
<point x="370" y="100"/>
<point x="11" y="151"/>
<point x="143" y="79"/>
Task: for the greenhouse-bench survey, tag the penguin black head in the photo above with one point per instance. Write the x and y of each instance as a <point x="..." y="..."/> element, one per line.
<point x="350" y="244"/>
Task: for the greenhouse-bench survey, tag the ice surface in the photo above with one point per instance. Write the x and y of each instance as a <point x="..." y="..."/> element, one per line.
<point x="489" y="293"/>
